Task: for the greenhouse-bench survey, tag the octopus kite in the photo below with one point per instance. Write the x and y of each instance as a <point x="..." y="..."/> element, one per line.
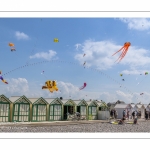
<point x="50" y="85"/>
<point x="125" y="49"/>
<point x="84" y="85"/>
<point x="3" y="80"/>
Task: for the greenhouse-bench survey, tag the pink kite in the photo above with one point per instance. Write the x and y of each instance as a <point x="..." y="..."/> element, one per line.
<point x="84" y="85"/>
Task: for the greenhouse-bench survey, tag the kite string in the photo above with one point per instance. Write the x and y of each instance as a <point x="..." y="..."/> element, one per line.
<point x="67" y="62"/>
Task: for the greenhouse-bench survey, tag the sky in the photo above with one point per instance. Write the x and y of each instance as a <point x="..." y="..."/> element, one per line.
<point x="97" y="38"/>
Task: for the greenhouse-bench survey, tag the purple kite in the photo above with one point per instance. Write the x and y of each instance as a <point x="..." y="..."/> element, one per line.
<point x="3" y="80"/>
<point x="84" y="85"/>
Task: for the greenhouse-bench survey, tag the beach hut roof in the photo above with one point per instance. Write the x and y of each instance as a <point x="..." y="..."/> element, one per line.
<point x="20" y="99"/>
<point x="121" y="106"/>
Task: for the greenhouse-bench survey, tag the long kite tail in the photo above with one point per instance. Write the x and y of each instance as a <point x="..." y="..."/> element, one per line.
<point x="121" y="55"/>
<point x="118" y="50"/>
<point x="124" y="53"/>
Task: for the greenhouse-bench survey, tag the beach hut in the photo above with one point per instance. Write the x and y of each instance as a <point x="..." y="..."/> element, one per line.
<point x="146" y="106"/>
<point x="39" y="109"/>
<point x="69" y="106"/>
<point x="120" y="107"/>
<point x="92" y="110"/>
<point x="4" y="108"/>
<point x="55" y="109"/>
<point x="21" y="108"/>
<point x="82" y="107"/>
<point x="103" y="110"/>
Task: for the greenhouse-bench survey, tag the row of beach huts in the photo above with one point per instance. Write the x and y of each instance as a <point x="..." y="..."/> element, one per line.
<point x="23" y="109"/>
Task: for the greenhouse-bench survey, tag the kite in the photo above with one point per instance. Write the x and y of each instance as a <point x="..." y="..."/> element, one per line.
<point x="50" y="85"/>
<point x="84" y="55"/>
<point x="84" y="85"/>
<point x="3" y="80"/>
<point x="121" y="74"/>
<point x="84" y="63"/>
<point x="56" y="40"/>
<point x="146" y="73"/>
<point x="12" y="47"/>
<point x="123" y="80"/>
<point x="141" y="93"/>
<point x="125" y="49"/>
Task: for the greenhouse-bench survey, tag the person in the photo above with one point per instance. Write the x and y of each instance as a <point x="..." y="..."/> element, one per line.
<point x="146" y="115"/>
<point x="122" y="120"/>
<point x="135" y="120"/>
<point x="124" y="113"/>
<point x="128" y="114"/>
<point x="133" y="115"/>
<point x="112" y="113"/>
<point x="115" y="114"/>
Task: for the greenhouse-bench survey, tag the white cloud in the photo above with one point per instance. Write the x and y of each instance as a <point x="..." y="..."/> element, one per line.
<point x="77" y="46"/>
<point x="45" y="55"/>
<point x="99" y="55"/>
<point x="137" y="24"/>
<point x="21" y="35"/>
<point x="17" y="86"/>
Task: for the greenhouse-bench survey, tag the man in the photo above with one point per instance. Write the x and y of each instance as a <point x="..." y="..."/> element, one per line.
<point x="133" y="114"/>
<point x="124" y="113"/>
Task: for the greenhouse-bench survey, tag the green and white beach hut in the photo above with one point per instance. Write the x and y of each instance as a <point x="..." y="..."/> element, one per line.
<point x="4" y="108"/>
<point x="39" y="109"/>
<point x="55" y="109"/>
<point x="92" y="110"/>
<point x="69" y="106"/>
<point x="82" y="107"/>
<point x="21" y="108"/>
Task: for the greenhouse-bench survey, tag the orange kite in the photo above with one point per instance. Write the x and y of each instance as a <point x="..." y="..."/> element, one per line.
<point x="125" y="49"/>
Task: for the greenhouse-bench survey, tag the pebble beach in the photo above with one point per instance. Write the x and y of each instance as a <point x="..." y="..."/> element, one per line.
<point x="143" y="126"/>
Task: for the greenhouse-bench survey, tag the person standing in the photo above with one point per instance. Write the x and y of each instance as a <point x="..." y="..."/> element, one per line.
<point x="133" y="115"/>
<point x="115" y="114"/>
<point x="124" y="113"/>
<point x="146" y="115"/>
<point x="128" y="114"/>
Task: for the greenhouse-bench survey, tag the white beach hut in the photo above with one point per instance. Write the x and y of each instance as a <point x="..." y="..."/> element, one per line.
<point x="120" y="107"/>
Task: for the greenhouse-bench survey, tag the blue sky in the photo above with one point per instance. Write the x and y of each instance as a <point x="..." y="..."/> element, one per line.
<point x="98" y="38"/>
